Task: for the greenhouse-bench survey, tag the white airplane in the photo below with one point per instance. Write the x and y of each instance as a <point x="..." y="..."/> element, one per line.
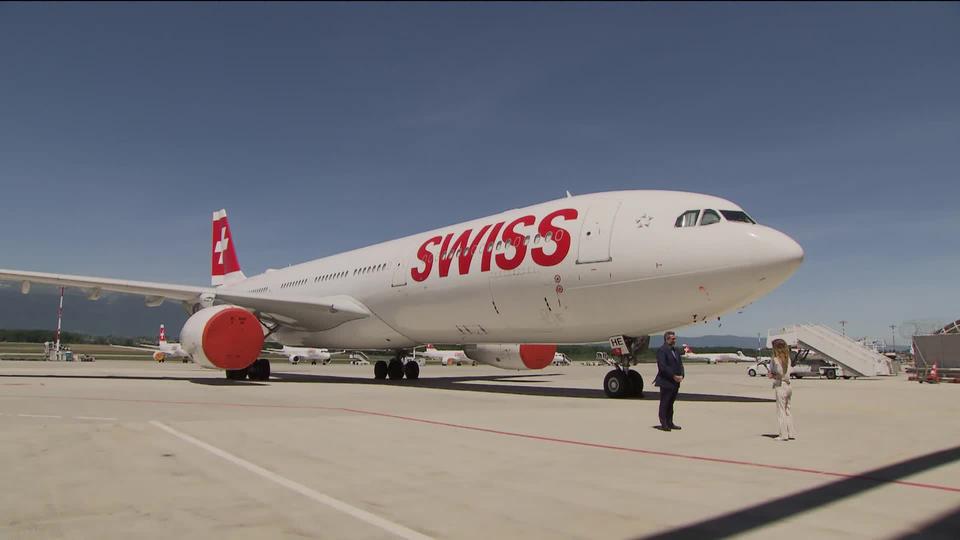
<point x="509" y="287"/>
<point x="713" y="358"/>
<point x="167" y="350"/>
<point x="447" y="357"/>
<point x="295" y="355"/>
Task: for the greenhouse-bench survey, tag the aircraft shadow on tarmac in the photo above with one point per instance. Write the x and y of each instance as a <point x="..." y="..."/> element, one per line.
<point x="526" y="384"/>
<point x="789" y="506"/>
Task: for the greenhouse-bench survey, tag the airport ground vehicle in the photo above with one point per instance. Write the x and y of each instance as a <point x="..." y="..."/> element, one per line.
<point x="799" y="370"/>
<point x="560" y="359"/>
<point x="760" y="368"/>
<point x="508" y="287"/>
<point x="817" y="368"/>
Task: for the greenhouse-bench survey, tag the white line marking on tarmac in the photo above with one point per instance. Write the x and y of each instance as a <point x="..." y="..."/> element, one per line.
<point x="39" y="416"/>
<point x="93" y="418"/>
<point x="321" y="498"/>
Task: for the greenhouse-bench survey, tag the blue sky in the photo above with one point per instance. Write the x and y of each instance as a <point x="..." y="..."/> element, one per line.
<point x="326" y="127"/>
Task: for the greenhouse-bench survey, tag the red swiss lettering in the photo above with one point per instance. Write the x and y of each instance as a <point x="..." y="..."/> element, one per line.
<point x="489" y="246"/>
<point x="559" y="235"/>
<point x="517" y="239"/>
<point x="447" y="252"/>
<point x="466" y="256"/>
<point x="426" y="257"/>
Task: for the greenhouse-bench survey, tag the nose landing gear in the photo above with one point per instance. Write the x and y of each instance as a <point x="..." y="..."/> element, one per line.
<point x="621" y="381"/>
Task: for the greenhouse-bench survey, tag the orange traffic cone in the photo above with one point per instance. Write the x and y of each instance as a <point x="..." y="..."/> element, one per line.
<point x="934" y="375"/>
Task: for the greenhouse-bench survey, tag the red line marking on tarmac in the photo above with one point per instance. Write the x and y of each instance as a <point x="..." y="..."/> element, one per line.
<point x="529" y="436"/>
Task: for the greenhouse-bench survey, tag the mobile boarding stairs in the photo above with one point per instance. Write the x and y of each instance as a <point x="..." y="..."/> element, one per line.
<point x="854" y="358"/>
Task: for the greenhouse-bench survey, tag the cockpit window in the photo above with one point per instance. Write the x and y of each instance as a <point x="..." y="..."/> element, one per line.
<point x="687" y="219"/>
<point x="737" y="215"/>
<point x="709" y="217"/>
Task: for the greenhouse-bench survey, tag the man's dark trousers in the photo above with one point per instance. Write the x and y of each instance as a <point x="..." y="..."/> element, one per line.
<point x="668" y="394"/>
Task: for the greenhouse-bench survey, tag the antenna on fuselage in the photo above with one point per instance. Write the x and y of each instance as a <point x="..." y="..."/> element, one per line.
<point x="568" y="194"/>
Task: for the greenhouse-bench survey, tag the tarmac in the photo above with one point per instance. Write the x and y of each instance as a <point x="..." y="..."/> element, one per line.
<point x="123" y="449"/>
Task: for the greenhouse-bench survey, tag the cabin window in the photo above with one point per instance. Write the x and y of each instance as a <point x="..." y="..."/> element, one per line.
<point x="687" y="219"/>
<point x="709" y="217"/>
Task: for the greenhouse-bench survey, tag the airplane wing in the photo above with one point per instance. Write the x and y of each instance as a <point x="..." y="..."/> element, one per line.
<point x="298" y="313"/>
<point x="96" y="285"/>
<point x="144" y="348"/>
<point x="304" y="313"/>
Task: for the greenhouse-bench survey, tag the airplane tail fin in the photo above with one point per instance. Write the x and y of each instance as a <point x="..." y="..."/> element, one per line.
<point x="163" y="336"/>
<point x="224" y="267"/>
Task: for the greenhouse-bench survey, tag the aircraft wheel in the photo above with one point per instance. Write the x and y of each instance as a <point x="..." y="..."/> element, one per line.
<point x="831" y="374"/>
<point x="380" y="370"/>
<point x="259" y="370"/>
<point x="635" y="381"/>
<point x="411" y="370"/>
<point x="237" y="374"/>
<point x="395" y="369"/>
<point x="616" y="385"/>
<point x="752" y="372"/>
<point x="846" y="377"/>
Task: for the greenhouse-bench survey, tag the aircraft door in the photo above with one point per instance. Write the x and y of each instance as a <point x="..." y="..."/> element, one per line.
<point x="400" y="271"/>
<point x="596" y="232"/>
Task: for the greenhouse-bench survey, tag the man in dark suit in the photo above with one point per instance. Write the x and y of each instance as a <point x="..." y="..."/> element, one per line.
<point x="669" y="376"/>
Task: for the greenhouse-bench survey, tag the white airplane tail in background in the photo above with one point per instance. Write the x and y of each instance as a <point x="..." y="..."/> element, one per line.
<point x="224" y="267"/>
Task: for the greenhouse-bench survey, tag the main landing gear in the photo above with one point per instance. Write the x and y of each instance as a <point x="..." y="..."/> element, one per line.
<point x="396" y="369"/>
<point x="259" y="370"/>
<point x="621" y="381"/>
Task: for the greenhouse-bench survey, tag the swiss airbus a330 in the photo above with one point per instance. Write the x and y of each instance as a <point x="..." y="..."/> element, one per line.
<point x="508" y="287"/>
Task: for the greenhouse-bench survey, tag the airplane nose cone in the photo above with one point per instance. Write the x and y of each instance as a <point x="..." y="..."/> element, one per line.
<point x="777" y="251"/>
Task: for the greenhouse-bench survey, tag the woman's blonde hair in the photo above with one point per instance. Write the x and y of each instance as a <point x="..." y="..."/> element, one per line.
<point x="781" y="354"/>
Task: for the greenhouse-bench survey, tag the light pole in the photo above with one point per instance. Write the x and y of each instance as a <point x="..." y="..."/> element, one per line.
<point x="894" y="336"/>
<point x="843" y="327"/>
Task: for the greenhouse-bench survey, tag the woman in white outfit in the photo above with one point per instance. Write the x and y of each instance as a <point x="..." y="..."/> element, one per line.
<point x="780" y="373"/>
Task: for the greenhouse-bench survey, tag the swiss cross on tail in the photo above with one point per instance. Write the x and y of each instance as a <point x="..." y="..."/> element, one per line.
<point x="163" y="335"/>
<point x="224" y="267"/>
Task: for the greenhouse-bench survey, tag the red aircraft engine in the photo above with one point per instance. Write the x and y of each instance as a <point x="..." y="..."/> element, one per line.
<point x="512" y="355"/>
<point x="222" y="337"/>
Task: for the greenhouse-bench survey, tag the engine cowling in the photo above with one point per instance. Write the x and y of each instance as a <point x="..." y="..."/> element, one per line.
<point x="159" y="356"/>
<point x="512" y="355"/>
<point x="222" y="337"/>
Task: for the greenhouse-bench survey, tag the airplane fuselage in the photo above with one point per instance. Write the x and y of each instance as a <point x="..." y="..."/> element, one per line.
<point x="573" y="270"/>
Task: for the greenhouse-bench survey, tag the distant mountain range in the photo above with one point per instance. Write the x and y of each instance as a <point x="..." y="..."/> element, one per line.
<point x="719" y="341"/>
<point x="127" y="316"/>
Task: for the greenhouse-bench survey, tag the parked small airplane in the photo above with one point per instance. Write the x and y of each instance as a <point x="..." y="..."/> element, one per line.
<point x="163" y="350"/>
<point x="295" y="355"/>
<point x="713" y="358"/>
<point x="447" y="357"/>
